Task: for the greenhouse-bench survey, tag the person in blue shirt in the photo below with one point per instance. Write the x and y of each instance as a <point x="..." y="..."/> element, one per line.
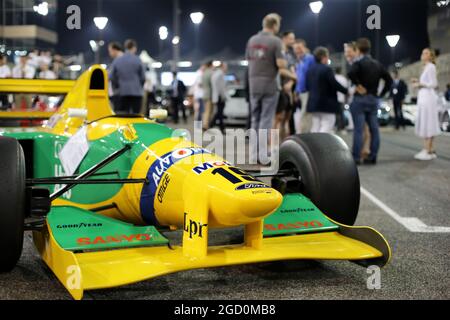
<point x="305" y="61"/>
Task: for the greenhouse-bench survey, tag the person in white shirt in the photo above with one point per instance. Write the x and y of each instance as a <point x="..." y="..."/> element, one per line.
<point x="149" y="90"/>
<point x="23" y="71"/>
<point x="342" y="99"/>
<point x="219" y="95"/>
<point x="34" y="59"/>
<point x="45" y="57"/>
<point x="46" y="73"/>
<point x="197" y="92"/>
<point x="427" y="121"/>
<point x="5" y="72"/>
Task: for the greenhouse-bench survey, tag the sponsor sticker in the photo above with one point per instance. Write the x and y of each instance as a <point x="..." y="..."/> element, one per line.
<point x="208" y="165"/>
<point x="154" y="175"/>
<point x="79" y="225"/>
<point x="293" y="225"/>
<point x="194" y="228"/>
<point x="163" y="187"/>
<point x="247" y="186"/>
<point x="116" y="238"/>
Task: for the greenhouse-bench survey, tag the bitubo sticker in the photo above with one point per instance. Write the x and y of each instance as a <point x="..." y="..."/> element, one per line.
<point x="194" y="228"/>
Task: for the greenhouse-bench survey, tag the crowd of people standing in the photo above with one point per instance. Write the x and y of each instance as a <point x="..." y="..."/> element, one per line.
<point x="210" y="95"/>
<point x="32" y="65"/>
<point x="284" y="76"/>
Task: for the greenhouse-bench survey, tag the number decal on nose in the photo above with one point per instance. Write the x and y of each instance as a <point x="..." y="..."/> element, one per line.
<point x="231" y="177"/>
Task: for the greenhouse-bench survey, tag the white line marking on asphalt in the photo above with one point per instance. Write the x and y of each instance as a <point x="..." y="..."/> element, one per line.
<point x="410" y="223"/>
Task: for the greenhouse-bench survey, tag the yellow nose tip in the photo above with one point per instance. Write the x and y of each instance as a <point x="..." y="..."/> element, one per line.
<point x="239" y="207"/>
<point x="261" y="204"/>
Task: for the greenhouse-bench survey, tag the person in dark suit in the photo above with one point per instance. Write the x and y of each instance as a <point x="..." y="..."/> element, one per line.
<point x="177" y="98"/>
<point x="399" y="90"/>
<point x="127" y="75"/>
<point x="322" y="86"/>
<point x="365" y="74"/>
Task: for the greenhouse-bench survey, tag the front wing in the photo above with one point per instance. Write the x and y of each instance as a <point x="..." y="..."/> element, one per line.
<point x="117" y="253"/>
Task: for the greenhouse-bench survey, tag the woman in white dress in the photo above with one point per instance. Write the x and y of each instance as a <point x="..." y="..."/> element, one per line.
<point x="427" y="121"/>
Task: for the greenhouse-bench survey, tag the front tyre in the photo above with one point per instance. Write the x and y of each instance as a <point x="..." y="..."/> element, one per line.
<point x="12" y="200"/>
<point x="327" y="172"/>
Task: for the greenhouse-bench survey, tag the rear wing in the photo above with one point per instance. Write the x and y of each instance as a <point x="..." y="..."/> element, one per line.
<point x="38" y="86"/>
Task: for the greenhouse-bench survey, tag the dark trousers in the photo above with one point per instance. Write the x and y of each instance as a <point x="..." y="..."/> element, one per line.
<point x="364" y="110"/>
<point x="296" y="105"/>
<point x="177" y="104"/>
<point x="218" y="116"/>
<point x="340" y="118"/>
<point x="248" y="124"/>
<point x="201" y="109"/>
<point x="129" y="105"/>
<point x="115" y="101"/>
<point x="399" y="121"/>
<point x="4" y="102"/>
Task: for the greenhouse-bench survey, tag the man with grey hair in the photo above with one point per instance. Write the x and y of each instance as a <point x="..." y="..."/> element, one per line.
<point x="265" y="60"/>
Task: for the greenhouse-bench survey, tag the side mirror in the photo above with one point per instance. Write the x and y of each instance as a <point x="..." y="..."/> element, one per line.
<point x="158" y="114"/>
<point x="77" y="113"/>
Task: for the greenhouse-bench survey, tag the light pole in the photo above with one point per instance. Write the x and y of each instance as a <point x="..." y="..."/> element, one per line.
<point x="197" y="18"/>
<point x="316" y="7"/>
<point x="100" y="23"/>
<point x="176" y="34"/>
<point x="392" y="41"/>
<point x="163" y="34"/>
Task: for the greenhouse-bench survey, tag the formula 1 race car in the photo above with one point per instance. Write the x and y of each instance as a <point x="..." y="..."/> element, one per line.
<point x="99" y="190"/>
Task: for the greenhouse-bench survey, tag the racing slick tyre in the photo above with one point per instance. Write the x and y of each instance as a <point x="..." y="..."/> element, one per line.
<point x="327" y="172"/>
<point x="12" y="201"/>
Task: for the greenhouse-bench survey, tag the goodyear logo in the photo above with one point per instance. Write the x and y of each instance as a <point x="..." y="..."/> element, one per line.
<point x="79" y="225"/>
<point x="154" y="175"/>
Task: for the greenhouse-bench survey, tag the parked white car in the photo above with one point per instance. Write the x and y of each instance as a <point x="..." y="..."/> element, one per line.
<point x="410" y="113"/>
<point x="236" y="110"/>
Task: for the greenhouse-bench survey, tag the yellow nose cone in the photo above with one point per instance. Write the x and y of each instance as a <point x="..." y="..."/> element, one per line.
<point x="244" y="205"/>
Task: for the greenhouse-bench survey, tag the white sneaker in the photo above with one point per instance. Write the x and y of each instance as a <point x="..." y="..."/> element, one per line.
<point x="420" y="155"/>
<point x="425" y="156"/>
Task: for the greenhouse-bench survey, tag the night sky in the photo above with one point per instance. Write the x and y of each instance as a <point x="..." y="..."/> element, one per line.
<point x="229" y="24"/>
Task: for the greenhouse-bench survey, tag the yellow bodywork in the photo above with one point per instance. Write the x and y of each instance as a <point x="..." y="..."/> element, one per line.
<point x="26" y="115"/>
<point x="106" y="269"/>
<point x="200" y="199"/>
<point x="36" y="87"/>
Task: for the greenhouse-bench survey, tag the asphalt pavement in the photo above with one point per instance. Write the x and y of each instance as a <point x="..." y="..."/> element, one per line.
<point x="397" y="187"/>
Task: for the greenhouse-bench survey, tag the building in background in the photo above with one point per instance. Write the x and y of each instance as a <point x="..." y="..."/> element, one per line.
<point x="439" y="35"/>
<point x="28" y="25"/>
<point x="439" y="27"/>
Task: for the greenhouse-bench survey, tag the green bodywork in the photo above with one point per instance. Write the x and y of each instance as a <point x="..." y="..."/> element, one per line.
<point x="78" y="229"/>
<point x="46" y="163"/>
<point x="297" y="214"/>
